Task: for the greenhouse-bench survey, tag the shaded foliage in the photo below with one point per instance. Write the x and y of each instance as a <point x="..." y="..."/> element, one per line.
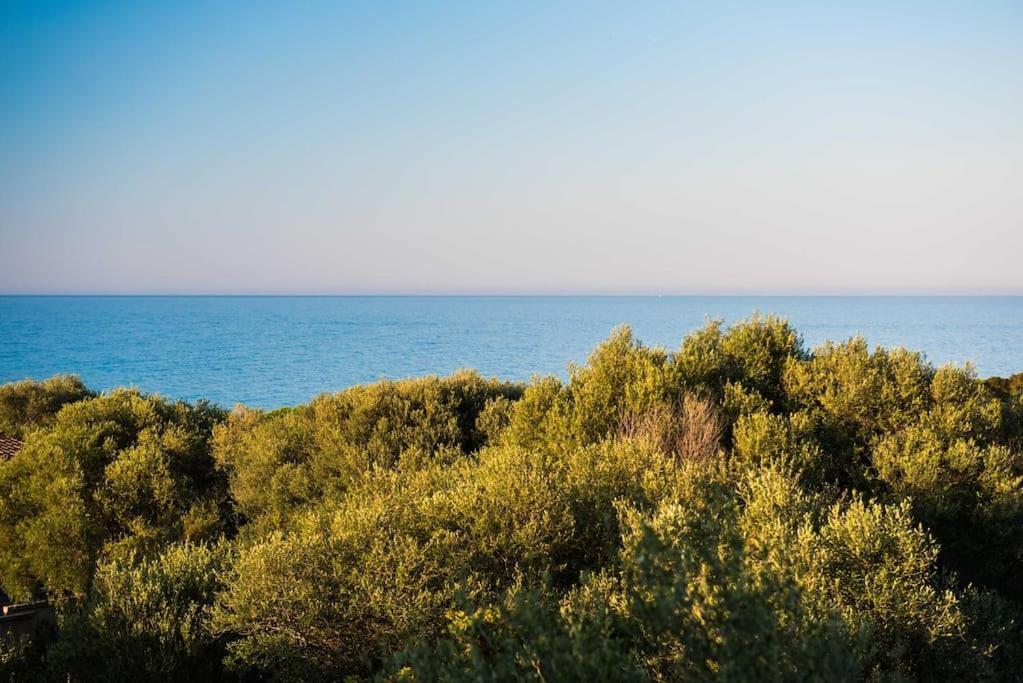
<point x="146" y="619"/>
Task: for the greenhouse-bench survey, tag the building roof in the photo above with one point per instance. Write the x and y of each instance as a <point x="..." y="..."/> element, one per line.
<point x="8" y="446"/>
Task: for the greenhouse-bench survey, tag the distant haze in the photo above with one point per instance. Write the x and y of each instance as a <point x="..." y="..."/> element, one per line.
<point x="613" y="147"/>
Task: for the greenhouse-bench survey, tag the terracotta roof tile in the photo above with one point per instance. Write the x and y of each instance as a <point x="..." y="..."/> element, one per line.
<point x="8" y="446"/>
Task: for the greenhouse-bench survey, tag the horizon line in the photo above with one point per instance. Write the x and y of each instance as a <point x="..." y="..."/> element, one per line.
<point x="509" y="295"/>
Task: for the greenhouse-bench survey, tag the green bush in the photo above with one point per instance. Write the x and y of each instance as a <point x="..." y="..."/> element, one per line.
<point x="118" y="474"/>
<point x="523" y="636"/>
<point x="359" y="578"/>
<point x="739" y="509"/>
<point x="28" y="405"/>
<point x="1005" y="387"/>
<point x="280" y="461"/>
<point x="970" y="496"/>
<point x="146" y="619"/>
<point x="863" y="392"/>
<point x="752" y="353"/>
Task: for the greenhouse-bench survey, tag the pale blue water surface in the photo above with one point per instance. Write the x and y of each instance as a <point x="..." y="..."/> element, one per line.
<point x="274" y="351"/>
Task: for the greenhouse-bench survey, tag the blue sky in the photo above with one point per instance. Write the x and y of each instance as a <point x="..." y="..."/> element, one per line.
<point x="663" y="148"/>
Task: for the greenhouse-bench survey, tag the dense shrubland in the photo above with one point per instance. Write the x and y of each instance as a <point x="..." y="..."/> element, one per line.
<point x="739" y="509"/>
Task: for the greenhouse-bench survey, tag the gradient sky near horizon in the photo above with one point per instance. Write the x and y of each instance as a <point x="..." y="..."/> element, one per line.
<point x="663" y="148"/>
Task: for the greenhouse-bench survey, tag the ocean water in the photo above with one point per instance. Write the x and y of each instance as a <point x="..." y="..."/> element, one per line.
<point x="274" y="351"/>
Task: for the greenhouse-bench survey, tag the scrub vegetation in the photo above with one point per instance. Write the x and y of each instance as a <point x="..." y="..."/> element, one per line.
<point x="740" y="508"/>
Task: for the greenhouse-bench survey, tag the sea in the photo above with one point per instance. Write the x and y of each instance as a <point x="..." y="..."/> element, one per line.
<point x="275" y="351"/>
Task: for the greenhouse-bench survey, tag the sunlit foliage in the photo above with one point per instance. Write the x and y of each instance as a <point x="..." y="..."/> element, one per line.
<point x="27" y="405"/>
<point x="741" y="508"/>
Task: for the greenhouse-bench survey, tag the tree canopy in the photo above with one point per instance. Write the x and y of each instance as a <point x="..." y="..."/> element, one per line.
<point x="740" y="508"/>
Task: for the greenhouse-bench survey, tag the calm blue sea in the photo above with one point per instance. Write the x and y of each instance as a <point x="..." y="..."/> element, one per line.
<point x="274" y="351"/>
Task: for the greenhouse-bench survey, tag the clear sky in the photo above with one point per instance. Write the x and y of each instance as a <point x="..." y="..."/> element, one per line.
<point x="620" y="147"/>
